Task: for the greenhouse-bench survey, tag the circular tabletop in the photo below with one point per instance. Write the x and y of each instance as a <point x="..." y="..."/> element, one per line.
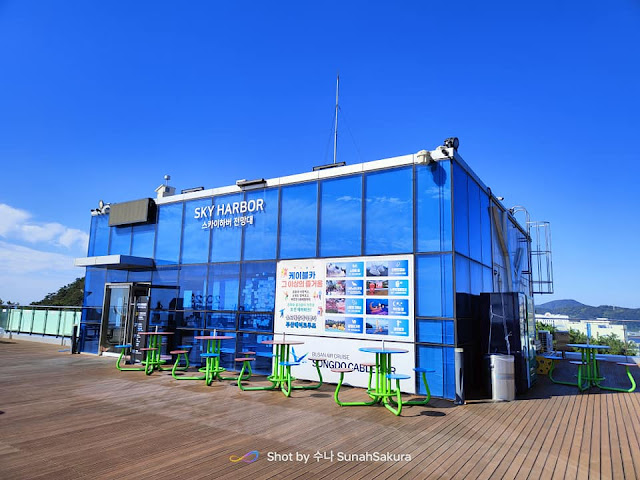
<point x="156" y="333"/>
<point x="282" y="342"/>
<point x="212" y="337"/>
<point x="586" y="345"/>
<point x="382" y="350"/>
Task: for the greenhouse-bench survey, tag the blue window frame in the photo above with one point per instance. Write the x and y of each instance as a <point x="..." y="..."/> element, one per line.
<point x="434" y="285"/>
<point x="94" y="281"/>
<point x="139" y="276"/>
<point x="460" y="209"/>
<point x="168" y="235"/>
<point x="116" y="276"/>
<point x="195" y="239"/>
<point x="261" y="236"/>
<point x="435" y="331"/>
<point x="475" y="227"/>
<point x="389" y="212"/>
<point x="143" y="238"/>
<point x="463" y="275"/>
<point x="433" y="207"/>
<point x="432" y="359"/>
<point x="341" y="217"/>
<point x="298" y="220"/>
<point x="476" y="278"/>
<point x="120" y="243"/>
<point x="99" y="238"/>
<point x="225" y="242"/>
<point x="485" y="223"/>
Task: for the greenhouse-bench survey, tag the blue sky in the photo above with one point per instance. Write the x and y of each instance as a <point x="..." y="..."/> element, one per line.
<point x="98" y="100"/>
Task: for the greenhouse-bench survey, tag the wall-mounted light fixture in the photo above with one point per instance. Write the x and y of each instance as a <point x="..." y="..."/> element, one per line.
<point x="452" y="142"/>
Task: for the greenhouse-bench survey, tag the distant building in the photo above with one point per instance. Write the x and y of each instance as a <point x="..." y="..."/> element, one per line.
<point x="591" y="328"/>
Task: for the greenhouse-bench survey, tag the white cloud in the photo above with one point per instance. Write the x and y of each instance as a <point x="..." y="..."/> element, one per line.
<point x="18" y="224"/>
<point x="27" y="275"/>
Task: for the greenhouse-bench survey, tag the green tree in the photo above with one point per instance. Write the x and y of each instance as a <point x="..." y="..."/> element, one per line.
<point x="616" y="345"/>
<point x="545" y="326"/>
<point x="576" y="336"/>
<point x="70" y="295"/>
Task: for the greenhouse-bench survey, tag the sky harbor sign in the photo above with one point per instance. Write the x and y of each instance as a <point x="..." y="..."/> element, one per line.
<point x="228" y="210"/>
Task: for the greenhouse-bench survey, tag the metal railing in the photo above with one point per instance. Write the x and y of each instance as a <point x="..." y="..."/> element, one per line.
<point x="45" y="320"/>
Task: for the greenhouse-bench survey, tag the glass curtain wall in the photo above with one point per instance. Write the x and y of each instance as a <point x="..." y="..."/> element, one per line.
<point x="223" y="277"/>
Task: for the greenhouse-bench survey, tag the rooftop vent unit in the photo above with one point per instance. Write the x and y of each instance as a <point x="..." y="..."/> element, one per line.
<point x="257" y="183"/>
<point x="191" y="190"/>
<point x="329" y="165"/>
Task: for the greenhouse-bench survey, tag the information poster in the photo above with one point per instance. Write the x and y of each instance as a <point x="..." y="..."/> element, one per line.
<point x="358" y="298"/>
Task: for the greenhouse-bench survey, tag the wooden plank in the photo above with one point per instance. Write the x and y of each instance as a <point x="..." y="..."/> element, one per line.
<point x="545" y="458"/>
<point x="624" y="445"/>
<point x="76" y="416"/>
<point x="629" y="413"/>
<point x="538" y="439"/>
<point x="564" y="449"/>
<point x="503" y="437"/>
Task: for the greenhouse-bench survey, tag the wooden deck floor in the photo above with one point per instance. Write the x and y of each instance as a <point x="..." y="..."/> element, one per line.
<point x="68" y="416"/>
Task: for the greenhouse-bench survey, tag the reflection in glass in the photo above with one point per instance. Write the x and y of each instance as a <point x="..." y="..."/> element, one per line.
<point x="120" y="241"/>
<point x="389" y="212"/>
<point x="168" y="235"/>
<point x="255" y="323"/>
<point x="433" y="207"/>
<point x="195" y="239"/>
<point x="264" y="353"/>
<point x="221" y="321"/>
<point x="434" y="285"/>
<point x="116" y="276"/>
<point x="485" y="222"/>
<point x="429" y="331"/>
<point x="224" y="281"/>
<point x="431" y="357"/>
<point x="143" y="237"/>
<point x="341" y="217"/>
<point x="475" y="229"/>
<point x="164" y="294"/>
<point x="476" y="278"/>
<point x="463" y="275"/>
<point x="461" y="209"/>
<point x="225" y="242"/>
<point x="99" y="238"/>
<point x="298" y="221"/>
<point x="260" y="237"/>
<point x="192" y="288"/>
<point x="258" y="287"/>
<point x="94" y="281"/>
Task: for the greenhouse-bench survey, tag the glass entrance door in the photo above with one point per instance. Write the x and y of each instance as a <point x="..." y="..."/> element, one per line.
<point x="114" y="316"/>
<point x="124" y="315"/>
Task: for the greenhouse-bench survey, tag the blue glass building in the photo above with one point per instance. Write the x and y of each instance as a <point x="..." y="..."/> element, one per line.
<point x="207" y="259"/>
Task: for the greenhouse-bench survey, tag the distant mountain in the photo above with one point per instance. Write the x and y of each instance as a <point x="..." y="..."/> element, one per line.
<point x="586" y="312"/>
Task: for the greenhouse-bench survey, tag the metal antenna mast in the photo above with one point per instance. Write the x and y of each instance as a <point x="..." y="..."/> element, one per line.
<point x="335" y="131"/>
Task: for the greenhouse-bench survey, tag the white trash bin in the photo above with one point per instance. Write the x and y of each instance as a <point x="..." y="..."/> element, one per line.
<point x="502" y="376"/>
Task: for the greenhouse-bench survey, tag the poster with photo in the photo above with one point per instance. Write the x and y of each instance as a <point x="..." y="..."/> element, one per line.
<point x="359" y="297"/>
